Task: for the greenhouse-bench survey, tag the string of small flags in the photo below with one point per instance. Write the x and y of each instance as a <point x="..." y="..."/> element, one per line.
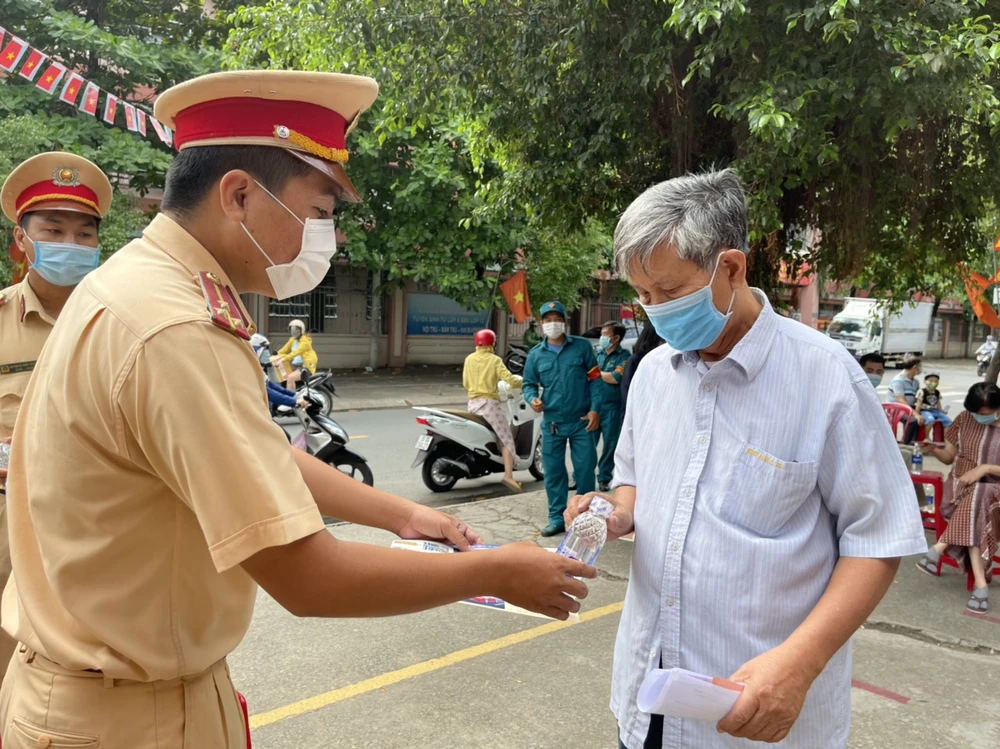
<point x="75" y="89"/>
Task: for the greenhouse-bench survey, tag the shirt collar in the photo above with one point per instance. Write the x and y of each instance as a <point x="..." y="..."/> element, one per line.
<point x="751" y="351"/>
<point x="31" y="304"/>
<point x="173" y="239"/>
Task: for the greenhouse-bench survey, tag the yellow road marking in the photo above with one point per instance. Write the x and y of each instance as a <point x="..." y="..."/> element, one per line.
<point x="326" y="699"/>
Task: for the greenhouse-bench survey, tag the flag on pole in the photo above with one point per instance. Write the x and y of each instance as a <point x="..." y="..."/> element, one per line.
<point x="110" y="108"/>
<point x="130" y="118"/>
<point x="72" y="88"/>
<point x="12" y="54"/>
<point x="89" y="102"/>
<point x="515" y="291"/>
<point x="141" y="121"/>
<point x="32" y="64"/>
<point x="976" y="286"/>
<point x="51" y="77"/>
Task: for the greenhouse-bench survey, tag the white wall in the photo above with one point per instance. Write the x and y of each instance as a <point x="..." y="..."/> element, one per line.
<point x="347" y="351"/>
<point x="437" y="349"/>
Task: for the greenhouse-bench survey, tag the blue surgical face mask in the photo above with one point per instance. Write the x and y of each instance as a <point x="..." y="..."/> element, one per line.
<point x="691" y="323"/>
<point x="604" y="343"/>
<point x="987" y="419"/>
<point x="875" y="380"/>
<point x="64" y="264"/>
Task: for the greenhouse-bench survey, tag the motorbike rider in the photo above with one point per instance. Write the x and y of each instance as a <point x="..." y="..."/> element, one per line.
<point x="482" y="372"/>
<point x="988" y="347"/>
<point x="297" y="352"/>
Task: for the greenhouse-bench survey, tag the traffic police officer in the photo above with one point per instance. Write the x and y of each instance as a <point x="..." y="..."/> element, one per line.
<point x="565" y="369"/>
<point x="149" y="491"/>
<point x="611" y="358"/>
<point x="56" y="201"/>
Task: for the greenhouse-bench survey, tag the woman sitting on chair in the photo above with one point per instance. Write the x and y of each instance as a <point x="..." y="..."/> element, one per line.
<point x="971" y="502"/>
<point x="295" y="356"/>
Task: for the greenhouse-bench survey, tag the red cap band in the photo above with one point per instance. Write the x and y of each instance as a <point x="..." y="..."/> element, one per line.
<point x="41" y="192"/>
<point x="245" y="117"/>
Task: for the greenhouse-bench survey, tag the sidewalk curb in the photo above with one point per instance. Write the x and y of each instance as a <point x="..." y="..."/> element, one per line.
<point x="931" y="636"/>
<point x="384" y="404"/>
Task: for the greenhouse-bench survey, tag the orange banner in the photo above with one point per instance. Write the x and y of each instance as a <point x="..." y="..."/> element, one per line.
<point x="976" y="286"/>
<point x="515" y="291"/>
<point x="20" y="263"/>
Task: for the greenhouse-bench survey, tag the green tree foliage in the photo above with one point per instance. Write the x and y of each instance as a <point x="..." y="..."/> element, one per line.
<point x="874" y="122"/>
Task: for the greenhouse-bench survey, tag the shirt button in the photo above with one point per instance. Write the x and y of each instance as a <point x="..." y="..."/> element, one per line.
<point x="670" y="602"/>
<point x="652" y="653"/>
<point x="703" y="440"/>
<point x="687" y="493"/>
<point x="44" y="741"/>
<point x="675" y="548"/>
<point x="708" y="388"/>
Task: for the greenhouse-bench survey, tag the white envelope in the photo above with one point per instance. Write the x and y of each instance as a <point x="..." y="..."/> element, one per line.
<point x="685" y="694"/>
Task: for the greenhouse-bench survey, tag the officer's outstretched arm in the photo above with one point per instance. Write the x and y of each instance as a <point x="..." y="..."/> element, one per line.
<point x="321" y="576"/>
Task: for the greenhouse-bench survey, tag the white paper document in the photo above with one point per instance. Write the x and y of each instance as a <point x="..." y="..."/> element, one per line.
<point x="685" y="694"/>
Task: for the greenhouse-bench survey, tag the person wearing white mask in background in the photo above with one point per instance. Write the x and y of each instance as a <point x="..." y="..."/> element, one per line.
<point x="137" y="565"/>
<point x="562" y="381"/>
<point x="56" y="201"/>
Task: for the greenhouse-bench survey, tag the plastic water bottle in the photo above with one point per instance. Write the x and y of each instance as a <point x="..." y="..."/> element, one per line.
<point x="587" y="534"/>
<point x="918" y="459"/>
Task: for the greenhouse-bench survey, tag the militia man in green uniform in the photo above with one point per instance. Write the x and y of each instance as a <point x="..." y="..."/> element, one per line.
<point x="565" y="370"/>
<point x="611" y="359"/>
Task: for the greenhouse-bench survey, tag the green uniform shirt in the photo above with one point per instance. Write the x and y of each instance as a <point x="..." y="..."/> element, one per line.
<point x="610" y="395"/>
<point x="568" y="379"/>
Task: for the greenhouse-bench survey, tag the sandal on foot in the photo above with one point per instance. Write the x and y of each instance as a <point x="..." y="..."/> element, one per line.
<point x="978" y="605"/>
<point x="925" y="565"/>
<point x="514" y="486"/>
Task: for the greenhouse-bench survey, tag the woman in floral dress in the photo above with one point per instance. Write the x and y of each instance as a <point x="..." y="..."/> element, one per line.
<point x="971" y="502"/>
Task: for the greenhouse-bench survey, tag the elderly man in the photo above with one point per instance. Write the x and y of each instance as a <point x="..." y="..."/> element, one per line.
<point x="767" y="529"/>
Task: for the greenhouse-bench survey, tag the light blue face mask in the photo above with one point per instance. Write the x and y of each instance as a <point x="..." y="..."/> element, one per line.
<point x="985" y="419"/>
<point x="691" y="323"/>
<point x="64" y="264"/>
<point x="875" y="379"/>
<point x="604" y="343"/>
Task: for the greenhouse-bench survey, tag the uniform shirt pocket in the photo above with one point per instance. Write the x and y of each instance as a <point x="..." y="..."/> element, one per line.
<point x="765" y="491"/>
<point x="12" y="389"/>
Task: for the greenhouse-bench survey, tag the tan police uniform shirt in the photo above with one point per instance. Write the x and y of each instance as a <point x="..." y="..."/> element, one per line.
<point x="147" y="469"/>
<point x="24" y="326"/>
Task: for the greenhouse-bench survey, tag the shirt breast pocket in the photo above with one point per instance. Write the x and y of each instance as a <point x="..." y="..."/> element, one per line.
<point x="764" y="492"/>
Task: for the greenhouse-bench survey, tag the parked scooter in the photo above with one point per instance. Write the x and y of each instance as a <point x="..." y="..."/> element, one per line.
<point x="461" y="445"/>
<point x="326" y="440"/>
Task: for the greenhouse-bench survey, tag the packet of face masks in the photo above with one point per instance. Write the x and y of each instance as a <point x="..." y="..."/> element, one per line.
<point x="489" y="602"/>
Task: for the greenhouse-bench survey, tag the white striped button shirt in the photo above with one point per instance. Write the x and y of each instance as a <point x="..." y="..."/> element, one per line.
<point x="752" y="478"/>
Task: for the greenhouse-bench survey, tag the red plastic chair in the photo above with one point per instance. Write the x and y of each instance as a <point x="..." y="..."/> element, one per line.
<point x="900" y="413"/>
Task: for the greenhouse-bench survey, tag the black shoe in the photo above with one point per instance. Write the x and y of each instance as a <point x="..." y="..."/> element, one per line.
<point x="604" y="487"/>
<point x="553" y="530"/>
<point x="572" y="486"/>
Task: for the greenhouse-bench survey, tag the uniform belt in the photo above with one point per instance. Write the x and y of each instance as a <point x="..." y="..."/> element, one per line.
<point x="35" y="658"/>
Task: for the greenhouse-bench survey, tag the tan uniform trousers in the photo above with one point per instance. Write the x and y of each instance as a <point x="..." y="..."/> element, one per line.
<point x="7" y="643"/>
<point x="43" y="705"/>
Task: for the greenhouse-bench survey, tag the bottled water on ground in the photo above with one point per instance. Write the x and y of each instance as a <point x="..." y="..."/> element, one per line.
<point x="587" y="534"/>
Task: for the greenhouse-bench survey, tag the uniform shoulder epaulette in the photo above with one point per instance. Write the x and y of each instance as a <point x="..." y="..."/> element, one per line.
<point x="223" y="308"/>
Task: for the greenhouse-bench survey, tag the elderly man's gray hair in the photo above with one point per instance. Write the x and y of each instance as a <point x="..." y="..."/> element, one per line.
<point x="699" y="214"/>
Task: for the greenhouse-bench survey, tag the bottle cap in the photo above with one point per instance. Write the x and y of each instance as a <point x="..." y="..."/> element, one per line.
<point x="601" y="507"/>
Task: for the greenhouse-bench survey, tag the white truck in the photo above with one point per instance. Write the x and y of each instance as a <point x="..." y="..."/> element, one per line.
<point x="865" y="326"/>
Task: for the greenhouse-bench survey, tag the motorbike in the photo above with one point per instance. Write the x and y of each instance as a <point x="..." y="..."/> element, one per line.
<point x="326" y="440"/>
<point x="517" y="355"/>
<point x="983" y="359"/>
<point x="321" y="385"/>
<point x="461" y="445"/>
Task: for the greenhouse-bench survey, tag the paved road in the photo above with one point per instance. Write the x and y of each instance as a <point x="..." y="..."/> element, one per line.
<point x="387" y="438"/>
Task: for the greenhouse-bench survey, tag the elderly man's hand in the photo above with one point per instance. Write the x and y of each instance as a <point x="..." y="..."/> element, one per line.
<point x="619" y="524"/>
<point x="776" y="686"/>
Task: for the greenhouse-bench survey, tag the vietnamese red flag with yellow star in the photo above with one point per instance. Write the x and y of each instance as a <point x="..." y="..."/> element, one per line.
<point x="515" y="291"/>
<point x="12" y="53"/>
<point x="20" y="263"/>
<point x="110" y="108"/>
<point x="32" y="64"/>
<point x="89" y="102"/>
<point x="140" y="117"/>
<point x="72" y="89"/>
<point x="51" y="77"/>
<point x="130" y="118"/>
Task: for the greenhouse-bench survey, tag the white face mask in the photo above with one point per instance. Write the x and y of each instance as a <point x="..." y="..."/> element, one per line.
<point x="553" y="329"/>
<point x="307" y="269"/>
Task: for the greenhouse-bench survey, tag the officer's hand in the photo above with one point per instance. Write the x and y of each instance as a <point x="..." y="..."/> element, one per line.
<point x="619" y="524"/>
<point x="540" y="581"/>
<point x="438" y="526"/>
<point x="536" y="405"/>
<point x="593" y="420"/>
